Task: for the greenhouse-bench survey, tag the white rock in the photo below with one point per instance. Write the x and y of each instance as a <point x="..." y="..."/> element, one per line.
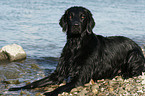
<point x="14" y="52"/>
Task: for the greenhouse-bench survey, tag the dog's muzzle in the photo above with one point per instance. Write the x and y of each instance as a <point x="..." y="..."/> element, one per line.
<point x="76" y="29"/>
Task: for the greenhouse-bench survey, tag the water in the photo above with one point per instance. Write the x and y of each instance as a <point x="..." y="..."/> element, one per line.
<point x="34" y="24"/>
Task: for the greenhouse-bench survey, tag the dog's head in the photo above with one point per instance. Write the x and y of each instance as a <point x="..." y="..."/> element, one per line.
<point x="77" y="20"/>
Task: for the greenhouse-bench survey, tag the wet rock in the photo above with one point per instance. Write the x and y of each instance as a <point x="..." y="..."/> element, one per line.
<point x="38" y="94"/>
<point x="95" y="86"/>
<point x="10" y="73"/>
<point x="13" y="52"/>
<point x="3" y="56"/>
<point x="95" y="91"/>
<point x="83" y="92"/>
<point x="34" y="66"/>
<point x="143" y="78"/>
<point x="12" y="82"/>
<point x="132" y="86"/>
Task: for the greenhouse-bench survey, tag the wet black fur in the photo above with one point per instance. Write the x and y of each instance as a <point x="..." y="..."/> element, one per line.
<point x="86" y="55"/>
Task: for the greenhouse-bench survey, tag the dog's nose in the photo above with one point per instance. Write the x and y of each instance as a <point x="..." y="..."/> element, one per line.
<point x="76" y="23"/>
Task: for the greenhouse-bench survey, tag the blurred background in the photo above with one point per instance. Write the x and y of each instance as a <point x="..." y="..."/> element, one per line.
<point x="34" y="24"/>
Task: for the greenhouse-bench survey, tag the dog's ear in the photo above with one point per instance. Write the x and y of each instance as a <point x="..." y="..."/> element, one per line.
<point x="90" y="22"/>
<point x="63" y="22"/>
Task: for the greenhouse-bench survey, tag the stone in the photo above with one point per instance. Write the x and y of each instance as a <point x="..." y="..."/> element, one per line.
<point x="9" y="73"/>
<point x="14" y="52"/>
<point x="3" y="56"/>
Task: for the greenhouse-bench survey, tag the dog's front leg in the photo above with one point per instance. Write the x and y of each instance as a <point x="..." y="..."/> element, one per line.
<point x="65" y="88"/>
<point x="84" y="76"/>
<point x="50" y="80"/>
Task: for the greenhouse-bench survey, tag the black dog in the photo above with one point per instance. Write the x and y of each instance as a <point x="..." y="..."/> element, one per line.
<point x="88" y="56"/>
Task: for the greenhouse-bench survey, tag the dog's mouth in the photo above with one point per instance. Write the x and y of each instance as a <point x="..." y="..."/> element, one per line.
<point x="75" y="32"/>
<point x="75" y="29"/>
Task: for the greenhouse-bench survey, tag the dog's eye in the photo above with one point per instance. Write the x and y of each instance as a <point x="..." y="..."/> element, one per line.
<point x="83" y="17"/>
<point x="70" y="17"/>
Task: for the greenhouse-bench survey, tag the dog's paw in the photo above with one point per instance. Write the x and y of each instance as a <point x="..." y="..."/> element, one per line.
<point x="50" y="94"/>
<point x="14" y="89"/>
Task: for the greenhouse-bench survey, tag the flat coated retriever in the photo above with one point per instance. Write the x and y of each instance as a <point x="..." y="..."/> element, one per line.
<point x="87" y="56"/>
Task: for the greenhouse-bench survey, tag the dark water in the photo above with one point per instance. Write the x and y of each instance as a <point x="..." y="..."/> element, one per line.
<point x="33" y="24"/>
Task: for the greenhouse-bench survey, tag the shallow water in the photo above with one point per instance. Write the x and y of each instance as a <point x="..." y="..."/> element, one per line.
<point x="34" y="24"/>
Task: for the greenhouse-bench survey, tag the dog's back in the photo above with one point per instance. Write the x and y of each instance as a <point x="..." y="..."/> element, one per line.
<point x="119" y="55"/>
